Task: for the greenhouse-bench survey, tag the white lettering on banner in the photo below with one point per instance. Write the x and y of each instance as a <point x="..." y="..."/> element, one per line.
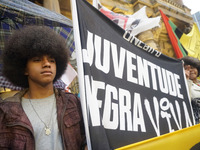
<point x="138" y="118"/>
<point x="105" y="65"/>
<point x="120" y="113"/>
<point x="125" y="110"/>
<point x="119" y="61"/>
<point x="143" y="78"/>
<point x="131" y="71"/>
<point x="132" y="39"/>
<point x="178" y="122"/>
<point x="149" y="112"/>
<point x="92" y="99"/>
<point x="188" y="121"/>
<point x="109" y="107"/>
<point x="178" y="86"/>
<point x="164" y="105"/>
<point x="89" y="53"/>
<point x="117" y="108"/>
<point x="140" y="71"/>
<point x="153" y="74"/>
<point x="162" y="80"/>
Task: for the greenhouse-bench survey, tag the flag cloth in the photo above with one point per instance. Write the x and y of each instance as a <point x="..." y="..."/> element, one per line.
<point x="191" y="42"/>
<point x="134" y="24"/>
<point x="176" y="44"/>
<point x="69" y="75"/>
<point x="131" y="91"/>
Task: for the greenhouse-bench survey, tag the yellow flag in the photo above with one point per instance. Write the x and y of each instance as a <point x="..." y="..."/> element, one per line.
<point x="191" y="42"/>
<point x="184" y="139"/>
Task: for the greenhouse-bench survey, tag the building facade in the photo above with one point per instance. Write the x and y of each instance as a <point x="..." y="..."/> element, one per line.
<point x="157" y="38"/>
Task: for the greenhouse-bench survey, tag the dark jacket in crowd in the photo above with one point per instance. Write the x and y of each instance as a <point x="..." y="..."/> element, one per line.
<point x="16" y="131"/>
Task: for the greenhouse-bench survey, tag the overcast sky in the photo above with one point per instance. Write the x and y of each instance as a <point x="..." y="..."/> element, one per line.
<point x="194" y="5"/>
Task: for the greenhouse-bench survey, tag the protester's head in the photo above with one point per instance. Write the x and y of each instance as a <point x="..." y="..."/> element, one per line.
<point x="194" y="64"/>
<point x="30" y="42"/>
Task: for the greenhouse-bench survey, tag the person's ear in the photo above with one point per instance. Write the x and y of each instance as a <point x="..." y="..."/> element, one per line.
<point x="26" y="72"/>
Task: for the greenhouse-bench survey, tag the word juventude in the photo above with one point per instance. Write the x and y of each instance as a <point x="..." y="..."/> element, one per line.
<point x="168" y="82"/>
<point x="117" y="108"/>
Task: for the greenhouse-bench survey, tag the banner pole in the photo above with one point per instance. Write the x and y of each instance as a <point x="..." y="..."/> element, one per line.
<point x="79" y="61"/>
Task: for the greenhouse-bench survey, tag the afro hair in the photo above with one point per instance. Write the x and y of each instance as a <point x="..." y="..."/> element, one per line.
<point x="29" y="42"/>
<point x="192" y="61"/>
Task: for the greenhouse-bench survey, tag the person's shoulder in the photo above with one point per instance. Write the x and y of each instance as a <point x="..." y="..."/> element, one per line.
<point x="14" y="96"/>
<point x="67" y="95"/>
<point x="8" y="94"/>
<point x="189" y="82"/>
<point x="71" y="96"/>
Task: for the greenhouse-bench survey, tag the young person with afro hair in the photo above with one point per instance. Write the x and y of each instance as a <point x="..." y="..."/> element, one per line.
<point x="40" y="117"/>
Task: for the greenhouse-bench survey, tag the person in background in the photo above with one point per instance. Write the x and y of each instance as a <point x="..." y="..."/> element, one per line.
<point x="41" y="116"/>
<point x="192" y="71"/>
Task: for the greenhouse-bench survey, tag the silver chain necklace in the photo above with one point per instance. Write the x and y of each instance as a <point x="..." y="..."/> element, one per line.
<point x="47" y="128"/>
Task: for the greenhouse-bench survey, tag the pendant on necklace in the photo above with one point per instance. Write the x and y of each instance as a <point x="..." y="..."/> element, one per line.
<point x="47" y="130"/>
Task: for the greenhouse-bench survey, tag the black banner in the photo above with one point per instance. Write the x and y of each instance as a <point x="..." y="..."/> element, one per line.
<point x="133" y="92"/>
